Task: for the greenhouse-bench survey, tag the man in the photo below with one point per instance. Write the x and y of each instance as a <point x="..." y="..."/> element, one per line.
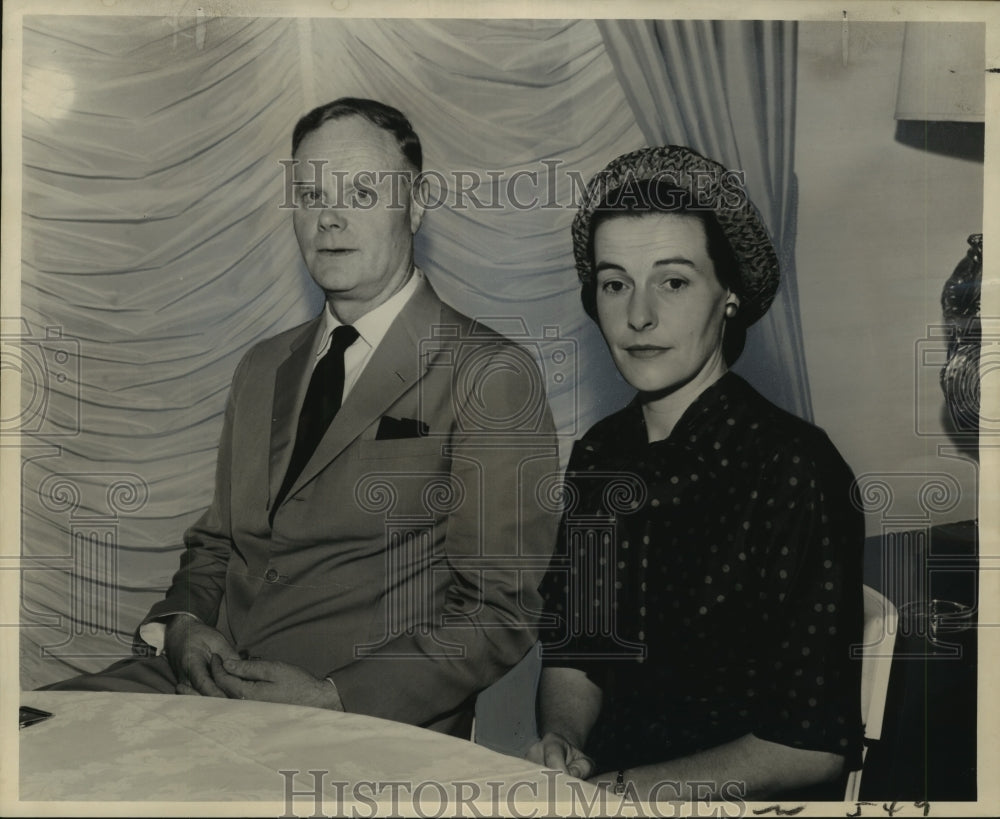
<point x="386" y="561"/>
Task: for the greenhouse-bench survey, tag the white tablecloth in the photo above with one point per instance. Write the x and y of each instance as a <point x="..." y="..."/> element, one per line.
<point x="150" y="747"/>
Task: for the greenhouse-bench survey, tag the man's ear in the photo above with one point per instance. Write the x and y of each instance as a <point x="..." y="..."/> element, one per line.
<point x="419" y="196"/>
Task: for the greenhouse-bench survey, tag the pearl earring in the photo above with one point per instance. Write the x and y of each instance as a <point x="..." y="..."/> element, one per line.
<point x="731" y="310"/>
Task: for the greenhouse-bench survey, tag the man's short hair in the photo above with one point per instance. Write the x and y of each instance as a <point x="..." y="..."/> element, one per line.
<point x="377" y="113"/>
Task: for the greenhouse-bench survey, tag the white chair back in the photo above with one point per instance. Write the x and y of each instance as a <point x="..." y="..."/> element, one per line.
<point x="875" y="652"/>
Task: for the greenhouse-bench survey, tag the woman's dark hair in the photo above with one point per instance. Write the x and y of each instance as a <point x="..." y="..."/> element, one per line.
<point x="642" y="197"/>
<point x="377" y="113"/>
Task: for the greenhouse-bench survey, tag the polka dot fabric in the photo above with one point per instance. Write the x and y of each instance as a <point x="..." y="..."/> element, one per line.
<point x="729" y="585"/>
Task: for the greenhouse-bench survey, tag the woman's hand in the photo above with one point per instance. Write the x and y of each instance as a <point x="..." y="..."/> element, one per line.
<point x="558" y="753"/>
<point x="568" y="707"/>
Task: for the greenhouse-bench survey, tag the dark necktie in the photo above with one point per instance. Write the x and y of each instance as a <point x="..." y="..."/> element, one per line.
<point x="322" y="402"/>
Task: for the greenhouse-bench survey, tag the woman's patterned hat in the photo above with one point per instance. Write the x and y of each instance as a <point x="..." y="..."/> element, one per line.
<point x="708" y="186"/>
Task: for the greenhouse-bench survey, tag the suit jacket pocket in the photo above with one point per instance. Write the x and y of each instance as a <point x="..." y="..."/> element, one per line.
<point x="425" y="448"/>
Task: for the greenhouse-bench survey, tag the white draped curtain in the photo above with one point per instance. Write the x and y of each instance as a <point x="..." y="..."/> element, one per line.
<point x="155" y="251"/>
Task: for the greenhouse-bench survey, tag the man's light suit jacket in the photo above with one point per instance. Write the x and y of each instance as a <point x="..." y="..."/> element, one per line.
<point x="405" y="568"/>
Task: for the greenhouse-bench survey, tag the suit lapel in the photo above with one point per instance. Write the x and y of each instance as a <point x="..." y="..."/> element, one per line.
<point x="395" y="367"/>
<point x="290" y="383"/>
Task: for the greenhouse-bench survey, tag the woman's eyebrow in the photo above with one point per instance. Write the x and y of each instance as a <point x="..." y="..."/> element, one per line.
<point x="602" y="265"/>
<point x="667" y="262"/>
<point x="673" y="260"/>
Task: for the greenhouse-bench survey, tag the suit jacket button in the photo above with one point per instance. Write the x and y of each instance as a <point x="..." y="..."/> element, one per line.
<point x="271" y="575"/>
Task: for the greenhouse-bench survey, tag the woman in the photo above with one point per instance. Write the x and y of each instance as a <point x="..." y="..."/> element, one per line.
<point x="707" y="587"/>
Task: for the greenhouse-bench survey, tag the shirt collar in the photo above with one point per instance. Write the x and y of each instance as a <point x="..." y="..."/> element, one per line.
<point x="374" y="324"/>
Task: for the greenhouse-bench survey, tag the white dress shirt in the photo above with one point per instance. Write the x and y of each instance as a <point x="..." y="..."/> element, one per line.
<point x="371" y="327"/>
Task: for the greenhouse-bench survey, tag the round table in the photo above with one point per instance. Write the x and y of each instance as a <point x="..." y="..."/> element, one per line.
<point x="114" y="747"/>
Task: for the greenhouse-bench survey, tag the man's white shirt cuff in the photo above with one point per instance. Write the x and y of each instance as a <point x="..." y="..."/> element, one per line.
<point x="154" y="633"/>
